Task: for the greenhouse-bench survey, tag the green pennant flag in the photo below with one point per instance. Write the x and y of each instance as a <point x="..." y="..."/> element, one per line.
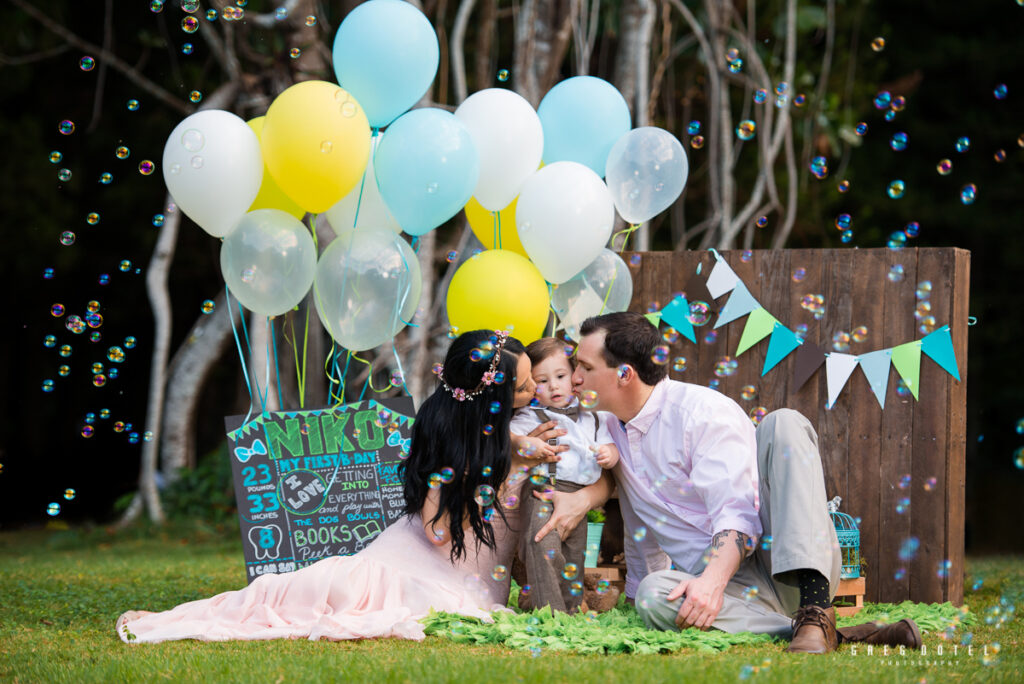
<point x="654" y="318"/>
<point x="760" y="323"/>
<point x="907" y="360"/>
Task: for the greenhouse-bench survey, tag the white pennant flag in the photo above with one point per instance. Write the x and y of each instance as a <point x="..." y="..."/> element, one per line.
<point x="722" y="279"/>
<point x="838" y="368"/>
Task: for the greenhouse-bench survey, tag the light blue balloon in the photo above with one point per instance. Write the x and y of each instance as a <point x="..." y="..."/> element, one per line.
<point x="582" y="117"/>
<point x="427" y="167"/>
<point x="386" y="56"/>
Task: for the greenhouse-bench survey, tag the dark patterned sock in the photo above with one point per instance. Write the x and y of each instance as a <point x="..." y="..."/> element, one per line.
<point x="813" y="589"/>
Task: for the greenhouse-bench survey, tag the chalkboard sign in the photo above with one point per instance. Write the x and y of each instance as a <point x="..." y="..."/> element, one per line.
<point x="313" y="484"/>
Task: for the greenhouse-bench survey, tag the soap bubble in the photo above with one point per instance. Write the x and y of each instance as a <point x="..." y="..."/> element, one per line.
<point x="69" y="494"/>
<point x="66" y="127"/>
<point x="908" y="549"/>
<point x="67" y="238"/>
<point x="671" y="335"/>
<point x="746" y="129"/>
<point x="48" y="385"/>
<point x="55" y="157"/>
<point x="116" y="354"/>
<point x="999" y="155"/>
<point x="841" y="341"/>
<point x="748" y="393"/>
<point x="693" y="128"/>
<point x="57" y="310"/>
<point x="912" y="229"/>
<point x="576" y="588"/>
<point x="679" y="364"/>
<point x="434" y="481"/>
<point x="697" y="142"/>
<point x="843" y="186"/>
<point x="146" y="167"/>
<point x="129" y="342"/>
<point x="711" y="337"/>
<point x="570" y="571"/>
<point x="189" y="24"/>
<point x="195" y="96"/>
<point x="64" y="175"/>
<point x="760" y="95"/>
<point x="757" y="414"/>
<point x="447" y="475"/>
<point x="762" y="221"/>
<point x="898" y="142"/>
<point x="640" y="533"/>
<point x="963" y="144"/>
<point x="930" y="483"/>
<point x="484" y="495"/>
<point x="924" y="290"/>
<point x="999" y="92"/>
<point x="883" y="99"/>
<point x="750" y="593"/>
<point x="944" y="167"/>
<point x="878" y="44"/>
<point x="896" y="189"/>
<point x="799" y="274"/>
<point x="700" y="313"/>
<point x="903" y="505"/>
<point x="843" y="221"/>
<point x="53" y="509"/>
<point x="861" y="129"/>
<point x="859" y="334"/>
<point x="602" y="587"/>
<point x="122" y="152"/>
<point x="499" y="573"/>
<point x="896" y="273"/>
<point x="968" y="193"/>
<point x="588" y="399"/>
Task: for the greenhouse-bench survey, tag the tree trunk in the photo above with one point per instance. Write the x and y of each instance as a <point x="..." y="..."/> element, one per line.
<point x="186" y="376"/>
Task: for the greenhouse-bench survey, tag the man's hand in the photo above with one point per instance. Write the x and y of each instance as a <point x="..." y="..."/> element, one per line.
<point x="704" y="597"/>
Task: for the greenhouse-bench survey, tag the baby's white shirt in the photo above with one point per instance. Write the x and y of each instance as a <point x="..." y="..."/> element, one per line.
<point x="578" y="464"/>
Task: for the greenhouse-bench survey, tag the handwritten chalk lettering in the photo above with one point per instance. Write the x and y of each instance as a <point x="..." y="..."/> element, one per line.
<point x="266" y="541"/>
<point x="355" y="517"/>
<point x="300" y="522"/>
<point x="361" y="484"/>
<point x="303" y="492"/>
<point x="364" y="458"/>
<point x="357" y="474"/>
<point x="310" y="554"/>
<point x="343" y="498"/>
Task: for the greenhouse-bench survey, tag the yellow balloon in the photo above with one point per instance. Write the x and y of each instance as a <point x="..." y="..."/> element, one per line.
<point x="499" y="290"/>
<point x="315" y="142"/>
<point x="481" y="222"/>
<point x="271" y="196"/>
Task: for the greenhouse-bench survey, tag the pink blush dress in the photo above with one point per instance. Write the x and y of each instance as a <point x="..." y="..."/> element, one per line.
<point x="382" y="591"/>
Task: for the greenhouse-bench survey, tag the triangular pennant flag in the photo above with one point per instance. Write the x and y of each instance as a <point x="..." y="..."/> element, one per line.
<point x="677" y="315"/>
<point x="782" y="342"/>
<point x="654" y="318"/>
<point x="876" y="369"/>
<point x="722" y="278"/>
<point x="759" y="324"/>
<point x="837" y="369"/>
<point x="697" y="291"/>
<point x="740" y="303"/>
<point x="939" y="347"/>
<point x="907" y="360"/>
<point x="809" y="358"/>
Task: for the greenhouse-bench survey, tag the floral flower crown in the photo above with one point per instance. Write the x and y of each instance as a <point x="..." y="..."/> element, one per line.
<point x="489" y="376"/>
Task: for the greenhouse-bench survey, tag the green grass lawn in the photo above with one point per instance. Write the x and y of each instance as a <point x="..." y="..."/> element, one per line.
<point x="62" y="590"/>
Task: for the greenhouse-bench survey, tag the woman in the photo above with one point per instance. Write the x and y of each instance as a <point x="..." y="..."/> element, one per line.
<point x="449" y="553"/>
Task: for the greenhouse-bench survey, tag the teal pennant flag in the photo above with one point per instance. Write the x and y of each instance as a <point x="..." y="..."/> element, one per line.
<point x="676" y="314"/>
<point x="938" y="346"/>
<point x="782" y="342"/>
<point x="740" y="303"/>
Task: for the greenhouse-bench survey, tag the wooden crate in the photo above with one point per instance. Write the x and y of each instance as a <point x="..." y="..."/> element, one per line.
<point x="865" y="450"/>
<point x="851" y="590"/>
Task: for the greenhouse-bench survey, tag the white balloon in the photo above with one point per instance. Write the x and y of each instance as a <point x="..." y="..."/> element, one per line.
<point x="367" y="287"/>
<point x="564" y="217"/>
<point x="509" y="140"/>
<point x="373" y="212"/>
<point x="213" y="169"/>
<point x="605" y="286"/>
<point x="646" y="171"/>
<point x="268" y="261"/>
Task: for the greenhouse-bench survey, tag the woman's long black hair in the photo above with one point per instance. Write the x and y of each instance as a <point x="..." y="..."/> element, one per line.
<point x="449" y="433"/>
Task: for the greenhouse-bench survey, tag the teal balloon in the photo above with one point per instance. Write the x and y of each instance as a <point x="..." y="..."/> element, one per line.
<point x="427" y="167"/>
<point x="268" y="261"/>
<point x="582" y="118"/>
<point x="386" y="56"/>
<point x="367" y="287"/>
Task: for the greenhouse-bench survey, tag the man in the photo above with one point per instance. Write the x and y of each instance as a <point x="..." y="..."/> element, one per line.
<point x="740" y="514"/>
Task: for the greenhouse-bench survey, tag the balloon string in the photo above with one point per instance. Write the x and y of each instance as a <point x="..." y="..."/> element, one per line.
<point x="300" y="368"/>
<point x="362" y="183"/>
<point x="496" y="238"/>
<point x="241" y="356"/>
<point x="608" y="292"/>
<point x="416" y="245"/>
<point x="245" y="336"/>
<point x="277" y="367"/>
<point x="339" y="397"/>
<point x="625" y="232"/>
<point x="401" y="371"/>
<point x="369" y="378"/>
<point x="552" y="309"/>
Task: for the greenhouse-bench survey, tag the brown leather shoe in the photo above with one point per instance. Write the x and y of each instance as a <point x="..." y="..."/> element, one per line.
<point x="902" y="633"/>
<point x="814" y="630"/>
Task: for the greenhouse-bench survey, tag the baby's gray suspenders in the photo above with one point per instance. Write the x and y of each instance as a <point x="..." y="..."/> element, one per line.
<point x="544" y="417"/>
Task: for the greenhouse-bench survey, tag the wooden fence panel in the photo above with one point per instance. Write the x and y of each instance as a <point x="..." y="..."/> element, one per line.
<point x="873" y="458"/>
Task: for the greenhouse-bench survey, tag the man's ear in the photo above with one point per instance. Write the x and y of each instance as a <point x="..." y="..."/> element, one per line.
<point x="625" y="373"/>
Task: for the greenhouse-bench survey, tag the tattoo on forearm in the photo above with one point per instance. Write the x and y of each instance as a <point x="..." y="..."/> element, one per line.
<point x="719" y="540"/>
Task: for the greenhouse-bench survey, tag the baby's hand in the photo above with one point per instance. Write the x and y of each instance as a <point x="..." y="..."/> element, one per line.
<point x="536" y="449"/>
<point x="607" y="456"/>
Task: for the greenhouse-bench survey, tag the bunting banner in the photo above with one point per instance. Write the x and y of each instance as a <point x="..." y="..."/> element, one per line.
<point x="905" y="358"/>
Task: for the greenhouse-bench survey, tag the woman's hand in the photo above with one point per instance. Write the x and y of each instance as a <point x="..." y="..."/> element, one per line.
<point x="533" y="448"/>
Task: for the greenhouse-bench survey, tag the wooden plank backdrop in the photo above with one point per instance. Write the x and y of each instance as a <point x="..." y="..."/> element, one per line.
<point x="867" y="452"/>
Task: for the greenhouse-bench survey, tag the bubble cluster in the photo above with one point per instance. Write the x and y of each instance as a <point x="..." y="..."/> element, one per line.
<point x="725" y="367"/>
